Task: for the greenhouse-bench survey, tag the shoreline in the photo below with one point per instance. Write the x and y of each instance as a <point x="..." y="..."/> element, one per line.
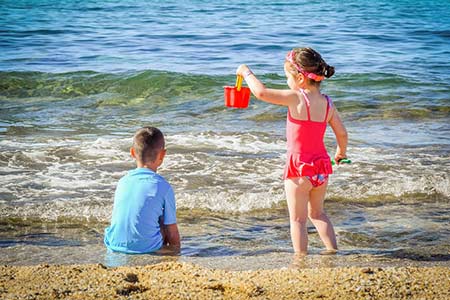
<point x="98" y="254"/>
<point x="183" y="280"/>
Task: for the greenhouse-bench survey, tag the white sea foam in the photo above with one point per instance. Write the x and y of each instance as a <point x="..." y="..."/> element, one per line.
<point x="215" y="171"/>
<point x="230" y="202"/>
<point x="245" y="143"/>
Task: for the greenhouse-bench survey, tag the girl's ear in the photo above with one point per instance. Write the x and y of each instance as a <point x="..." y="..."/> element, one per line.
<point x="132" y="153"/>
<point x="300" y="78"/>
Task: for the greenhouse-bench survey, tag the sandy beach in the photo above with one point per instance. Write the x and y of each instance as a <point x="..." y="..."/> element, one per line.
<point x="175" y="280"/>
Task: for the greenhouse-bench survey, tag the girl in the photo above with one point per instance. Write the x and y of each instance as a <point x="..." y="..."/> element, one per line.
<point x="307" y="164"/>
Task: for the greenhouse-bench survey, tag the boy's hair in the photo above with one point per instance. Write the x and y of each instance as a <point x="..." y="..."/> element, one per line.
<point x="147" y="143"/>
<point x="311" y="61"/>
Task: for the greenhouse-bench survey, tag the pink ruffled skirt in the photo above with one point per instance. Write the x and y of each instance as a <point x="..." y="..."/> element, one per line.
<point x="296" y="167"/>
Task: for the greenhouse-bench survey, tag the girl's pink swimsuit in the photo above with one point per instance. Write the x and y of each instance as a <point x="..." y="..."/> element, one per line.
<point x="306" y="152"/>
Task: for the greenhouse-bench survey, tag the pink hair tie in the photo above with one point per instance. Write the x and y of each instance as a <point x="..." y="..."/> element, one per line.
<point x="315" y="77"/>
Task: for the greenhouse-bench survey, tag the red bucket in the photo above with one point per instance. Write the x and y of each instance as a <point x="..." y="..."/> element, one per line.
<point x="237" y="96"/>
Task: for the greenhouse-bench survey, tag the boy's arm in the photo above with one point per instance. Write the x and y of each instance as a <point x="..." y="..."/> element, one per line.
<point x="172" y="236"/>
<point x="341" y="135"/>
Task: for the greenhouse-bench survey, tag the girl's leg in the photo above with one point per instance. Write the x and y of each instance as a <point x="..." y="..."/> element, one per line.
<point x="318" y="217"/>
<point x="297" y="194"/>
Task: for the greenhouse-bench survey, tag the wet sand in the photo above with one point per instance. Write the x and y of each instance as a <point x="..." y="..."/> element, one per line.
<point x="176" y="280"/>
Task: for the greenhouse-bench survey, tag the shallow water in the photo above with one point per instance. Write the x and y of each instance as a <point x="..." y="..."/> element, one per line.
<point x="75" y="84"/>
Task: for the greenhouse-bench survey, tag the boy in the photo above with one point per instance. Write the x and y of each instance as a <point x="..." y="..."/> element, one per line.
<point x="144" y="213"/>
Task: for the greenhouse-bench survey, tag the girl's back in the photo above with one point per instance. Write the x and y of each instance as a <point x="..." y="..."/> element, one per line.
<point x="305" y="127"/>
<point x="318" y="106"/>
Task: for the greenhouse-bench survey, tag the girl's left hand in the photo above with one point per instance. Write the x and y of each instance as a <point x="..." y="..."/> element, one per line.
<point x="339" y="156"/>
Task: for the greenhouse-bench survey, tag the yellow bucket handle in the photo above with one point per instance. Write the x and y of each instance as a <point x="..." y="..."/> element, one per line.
<point x="238" y="82"/>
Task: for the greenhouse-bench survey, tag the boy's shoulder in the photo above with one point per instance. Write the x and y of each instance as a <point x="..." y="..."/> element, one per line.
<point x="144" y="174"/>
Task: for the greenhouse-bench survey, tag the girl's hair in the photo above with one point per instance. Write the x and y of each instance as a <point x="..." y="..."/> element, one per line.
<point x="147" y="143"/>
<point x="311" y="61"/>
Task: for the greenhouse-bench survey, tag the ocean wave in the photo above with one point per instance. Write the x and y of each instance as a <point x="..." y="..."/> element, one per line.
<point x="62" y="158"/>
<point x="226" y="172"/>
<point x="358" y="96"/>
<point x="84" y="83"/>
<point x="91" y="210"/>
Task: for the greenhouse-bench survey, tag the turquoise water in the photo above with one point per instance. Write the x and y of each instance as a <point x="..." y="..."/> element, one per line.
<point x="78" y="78"/>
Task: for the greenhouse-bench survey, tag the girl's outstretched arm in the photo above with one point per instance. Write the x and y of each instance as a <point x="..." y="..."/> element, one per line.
<point x="341" y="135"/>
<point x="274" y="96"/>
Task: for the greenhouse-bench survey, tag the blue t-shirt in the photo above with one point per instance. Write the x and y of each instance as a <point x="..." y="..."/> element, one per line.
<point x="142" y="197"/>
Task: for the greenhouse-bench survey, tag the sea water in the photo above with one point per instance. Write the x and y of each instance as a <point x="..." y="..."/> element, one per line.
<point x="78" y="78"/>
